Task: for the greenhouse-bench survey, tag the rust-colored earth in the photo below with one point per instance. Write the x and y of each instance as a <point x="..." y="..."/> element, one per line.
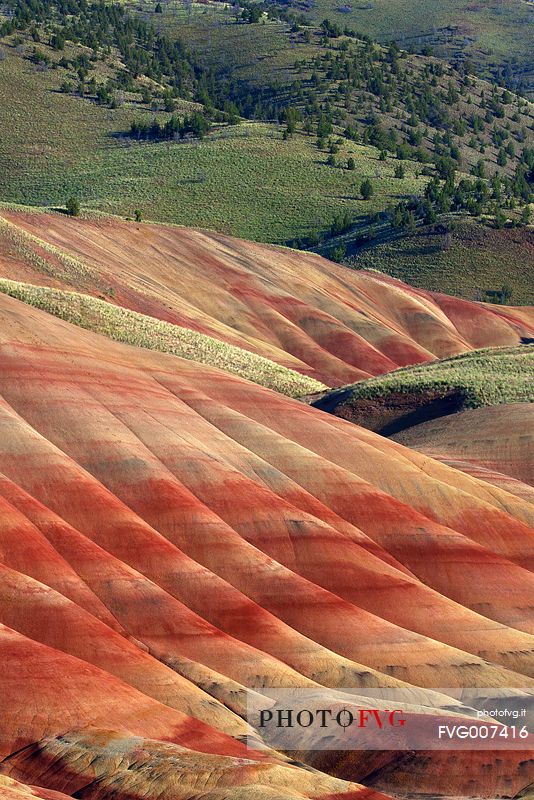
<point x="171" y="535"/>
<point x="297" y="309"/>
<point x="495" y="444"/>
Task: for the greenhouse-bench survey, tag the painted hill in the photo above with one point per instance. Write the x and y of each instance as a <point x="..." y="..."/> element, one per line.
<point x="501" y="451"/>
<point x="141" y="330"/>
<point x="14" y="790"/>
<point x="172" y="534"/>
<point x="297" y="309"/>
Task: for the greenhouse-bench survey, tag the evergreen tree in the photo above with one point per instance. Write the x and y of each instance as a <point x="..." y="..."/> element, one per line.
<point x="367" y="189"/>
<point x="72" y="207"/>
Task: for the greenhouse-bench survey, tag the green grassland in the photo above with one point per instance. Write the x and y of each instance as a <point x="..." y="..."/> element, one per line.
<point x="491" y="34"/>
<point x="486" y="377"/>
<point x="242" y="180"/>
<point x="136" y="329"/>
<point x="462" y="258"/>
<point x="248" y="179"/>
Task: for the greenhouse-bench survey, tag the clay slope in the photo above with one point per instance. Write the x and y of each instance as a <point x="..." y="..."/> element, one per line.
<point x="171" y="534"/>
<point x="297" y="309"/>
<point x="14" y="790"/>
<point x="495" y="444"/>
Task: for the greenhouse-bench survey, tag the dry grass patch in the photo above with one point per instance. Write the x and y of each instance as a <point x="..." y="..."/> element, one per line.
<point x="140" y="330"/>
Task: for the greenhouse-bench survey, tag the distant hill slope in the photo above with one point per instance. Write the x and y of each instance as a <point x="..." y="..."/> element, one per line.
<point x="421" y="98"/>
<point x="321" y="319"/>
<point x="496" y="37"/>
<point x="242" y="180"/>
<point x="172" y="534"/>
<point x="325" y="114"/>
<point x="459" y="257"/>
<point x="411" y="396"/>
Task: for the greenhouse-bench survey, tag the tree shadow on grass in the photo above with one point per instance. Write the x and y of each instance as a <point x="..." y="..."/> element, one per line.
<point x="58" y="210"/>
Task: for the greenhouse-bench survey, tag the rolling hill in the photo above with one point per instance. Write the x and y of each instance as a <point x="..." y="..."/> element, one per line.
<point x="172" y="534"/>
<point x="297" y="309"/>
<point x="493" y="36"/>
<point x="458" y="257"/>
<point x="500" y="452"/>
<point x="291" y="122"/>
<point x="300" y="460"/>
<point x="141" y="330"/>
<point x="414" y="395"/>
<point x="242" y="180"/>
<point x="419" y="97"/>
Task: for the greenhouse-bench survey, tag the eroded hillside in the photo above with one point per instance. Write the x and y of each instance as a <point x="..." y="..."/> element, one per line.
<point x="297" y="309"/>
<point x="172" y="534"/>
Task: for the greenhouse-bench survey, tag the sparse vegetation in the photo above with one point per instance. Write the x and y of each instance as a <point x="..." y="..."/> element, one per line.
<point x="493" y="38"/>
<point x="30" y="248"/>
<point x="458" y="257"/>
<point x="145" y="92"/>
<point x="345" y="143"/>
<point x="486" y="377"/>
<point x="238" y="180"/>
<point x="130" y="327"/>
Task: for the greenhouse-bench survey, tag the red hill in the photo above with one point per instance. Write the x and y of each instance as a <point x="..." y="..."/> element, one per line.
<point x="294" y="308"/>
<point x="172" y="534"/>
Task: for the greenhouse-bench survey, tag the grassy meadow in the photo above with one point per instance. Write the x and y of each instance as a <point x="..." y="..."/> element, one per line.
<point x="466" y="262"/>
<point x="258" y="53"/>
